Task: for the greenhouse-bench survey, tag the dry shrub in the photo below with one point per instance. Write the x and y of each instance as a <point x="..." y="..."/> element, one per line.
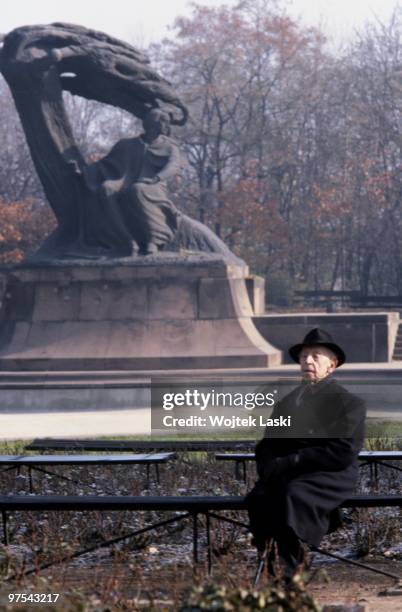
<point x="272" y="598"/>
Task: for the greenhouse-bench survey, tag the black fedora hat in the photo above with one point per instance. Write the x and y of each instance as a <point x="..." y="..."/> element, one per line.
<point x="318" y="337"/>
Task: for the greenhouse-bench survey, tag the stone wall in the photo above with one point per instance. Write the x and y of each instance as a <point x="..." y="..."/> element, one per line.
<point x="365" y="337"/>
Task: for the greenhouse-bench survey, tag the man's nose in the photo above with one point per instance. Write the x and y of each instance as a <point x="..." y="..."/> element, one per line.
<point x="308" y="359"/>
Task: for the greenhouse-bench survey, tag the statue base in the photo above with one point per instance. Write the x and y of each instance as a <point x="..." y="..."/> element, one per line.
<point x="166" y="311"/>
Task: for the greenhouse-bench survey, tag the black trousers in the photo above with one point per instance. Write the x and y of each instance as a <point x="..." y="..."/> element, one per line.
<point x="267" y="515"/>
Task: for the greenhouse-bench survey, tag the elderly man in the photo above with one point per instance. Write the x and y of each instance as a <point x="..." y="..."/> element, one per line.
<point x="306" y="472"/>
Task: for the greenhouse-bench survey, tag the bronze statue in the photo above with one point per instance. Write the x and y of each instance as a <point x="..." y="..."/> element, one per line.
<point x="132" y="184"/>
<point x="119" y="204"/>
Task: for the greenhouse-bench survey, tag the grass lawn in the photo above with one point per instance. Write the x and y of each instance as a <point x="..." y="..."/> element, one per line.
<point x="379" y="434"/>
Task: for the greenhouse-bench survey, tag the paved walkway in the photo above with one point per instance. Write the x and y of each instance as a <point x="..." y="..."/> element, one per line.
<point x="24" y="426"/>
<point x="59" y="424"/>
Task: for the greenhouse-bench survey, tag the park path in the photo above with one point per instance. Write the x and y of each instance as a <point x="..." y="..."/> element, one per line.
<point x="88" y="423"/>
<point x="27" y="425"/>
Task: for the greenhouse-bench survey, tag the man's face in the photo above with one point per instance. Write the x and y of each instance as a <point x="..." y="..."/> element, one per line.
<point x="157" y="122"/>
<point x="316" y="363"/>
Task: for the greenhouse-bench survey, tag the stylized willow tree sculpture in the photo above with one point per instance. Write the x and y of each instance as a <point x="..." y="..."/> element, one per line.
<point x="38" y="63"/>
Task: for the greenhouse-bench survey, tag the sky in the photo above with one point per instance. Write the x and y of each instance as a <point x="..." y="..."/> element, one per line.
<point x="143" y="21"/>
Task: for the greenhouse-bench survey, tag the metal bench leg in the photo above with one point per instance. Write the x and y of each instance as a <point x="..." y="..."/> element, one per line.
<point x="148" y="475"/>
<point x="389" y="465"/>
<point x="157" y="473"/>
<point x="79" y="553"/>
<point x="260" y="568"/>
<point x="209" y="551"/>
<point x="55" y="475"/>
<point x="195" y="539"/>
<point x="30" y="479"/>
<point x="5" y="530"/>
<point x="244" y="472"/>
<point x="356" y="563"/>
<point x="237" y="469"/>
<point x="371" y="466"/>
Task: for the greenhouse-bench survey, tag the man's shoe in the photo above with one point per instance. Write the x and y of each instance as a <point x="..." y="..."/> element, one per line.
<point x="260" y="543"/>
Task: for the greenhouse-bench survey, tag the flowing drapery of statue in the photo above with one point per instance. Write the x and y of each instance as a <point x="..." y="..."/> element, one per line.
<point x="120" y="204"/>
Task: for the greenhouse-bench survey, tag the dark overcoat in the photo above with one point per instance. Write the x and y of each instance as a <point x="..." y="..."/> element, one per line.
<point x="320" y="452"/>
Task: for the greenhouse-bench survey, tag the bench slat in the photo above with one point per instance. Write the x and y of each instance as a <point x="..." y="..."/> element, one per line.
<point x="173" y="503"/>
<point x="115" y="445"/>
<point x="85" y="459"/>
<point x="363" y="456"/>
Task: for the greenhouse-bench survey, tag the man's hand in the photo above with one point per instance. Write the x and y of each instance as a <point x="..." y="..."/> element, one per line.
<point x="280" y="467"/>
<point x="150" y="181"/>
<point x="75" y="167"/>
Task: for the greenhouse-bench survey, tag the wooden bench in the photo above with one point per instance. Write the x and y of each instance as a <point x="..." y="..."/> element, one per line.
<point x="189" y="506"/>
<point x="371" y="458"/>
<point x="354" y="299"/>
<point x="36" y="462"/>
<point x="376" y="301"/>
<point x="328" y="298"/>
<point x="42" y="444"/>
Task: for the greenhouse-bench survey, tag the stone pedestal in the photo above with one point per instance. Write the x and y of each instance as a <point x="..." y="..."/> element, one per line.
<point x="256" y="293"/>
<point x="160" y="312"/>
